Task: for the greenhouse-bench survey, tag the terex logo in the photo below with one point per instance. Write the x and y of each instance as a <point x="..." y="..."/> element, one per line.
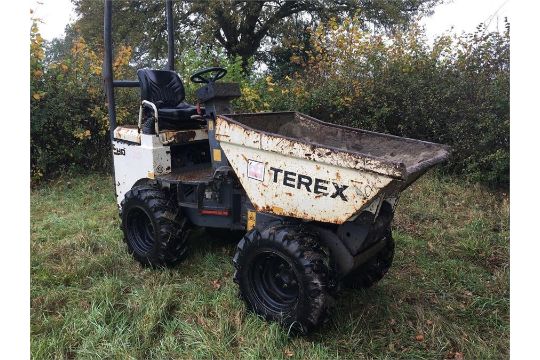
<point x="317" y="186"/>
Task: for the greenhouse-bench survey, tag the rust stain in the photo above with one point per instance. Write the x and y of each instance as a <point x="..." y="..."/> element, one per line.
<point x="127" y="133"/>
<point x="189" y="175"/>
<point x="293" y="144"/>
<point x="184" y="137"/>
<point x="298" y="214"/>
<point x="277" y="210"/>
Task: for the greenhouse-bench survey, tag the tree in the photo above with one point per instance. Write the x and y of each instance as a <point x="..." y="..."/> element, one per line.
<point x="240" y="27"/>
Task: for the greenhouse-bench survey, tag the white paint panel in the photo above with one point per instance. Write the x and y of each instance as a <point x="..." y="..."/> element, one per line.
<point x="133" y="162"/>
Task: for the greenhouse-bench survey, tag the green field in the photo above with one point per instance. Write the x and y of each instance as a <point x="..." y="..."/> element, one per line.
<point x="446" y="296"/>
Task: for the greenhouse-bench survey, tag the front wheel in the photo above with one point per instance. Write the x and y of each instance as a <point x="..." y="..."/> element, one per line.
<point x="154" y="230"/>
<point x="283" y="275"/>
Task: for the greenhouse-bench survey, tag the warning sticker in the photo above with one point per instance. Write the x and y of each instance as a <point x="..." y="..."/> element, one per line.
<point x="255" y="170"/>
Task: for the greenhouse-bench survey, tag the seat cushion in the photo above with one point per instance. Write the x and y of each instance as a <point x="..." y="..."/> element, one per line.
<point x="179" y="117"/>
<point x="161" y="86"/>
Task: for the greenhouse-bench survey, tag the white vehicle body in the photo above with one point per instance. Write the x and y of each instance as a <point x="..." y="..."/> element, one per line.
<point x="140" y="156"/>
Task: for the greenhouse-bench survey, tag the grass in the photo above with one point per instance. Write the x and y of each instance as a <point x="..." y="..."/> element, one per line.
<point x="446" y="296"/>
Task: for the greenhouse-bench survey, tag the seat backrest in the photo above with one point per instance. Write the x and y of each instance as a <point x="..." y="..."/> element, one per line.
<point x="162" y="87"/>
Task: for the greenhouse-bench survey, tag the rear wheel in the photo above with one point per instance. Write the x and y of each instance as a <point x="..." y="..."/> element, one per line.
<point x="283" y="275"/>
<point x="154" y="230"/>
<point x="369" y="273"/>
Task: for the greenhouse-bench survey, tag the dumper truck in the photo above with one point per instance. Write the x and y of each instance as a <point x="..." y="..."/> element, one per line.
<point x="311" y="202"/>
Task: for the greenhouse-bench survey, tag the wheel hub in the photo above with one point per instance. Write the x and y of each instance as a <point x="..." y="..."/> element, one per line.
<point x="274" y="282"/>
<point x="140" y="231"/>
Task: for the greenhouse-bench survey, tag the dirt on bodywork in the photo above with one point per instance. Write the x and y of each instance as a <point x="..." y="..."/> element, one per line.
<point x="309" y="130"/>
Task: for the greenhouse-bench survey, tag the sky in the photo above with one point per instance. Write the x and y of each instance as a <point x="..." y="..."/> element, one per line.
<point x="465" y="15"/>
<point x="55" y="14"/>
<point x="457" y="16"/>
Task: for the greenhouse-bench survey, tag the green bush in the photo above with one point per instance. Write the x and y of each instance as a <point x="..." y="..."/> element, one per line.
<point x="68" y="121"/>
<point x="454" y="91"/>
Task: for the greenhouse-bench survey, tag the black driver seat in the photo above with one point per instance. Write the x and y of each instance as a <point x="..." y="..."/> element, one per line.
<point x="164" y="88"/>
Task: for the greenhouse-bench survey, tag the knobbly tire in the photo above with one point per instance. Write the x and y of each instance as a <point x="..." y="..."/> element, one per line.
<point x="283" y="275"/>
<point x="154" y="229"/>
<point x="375" y="268"/>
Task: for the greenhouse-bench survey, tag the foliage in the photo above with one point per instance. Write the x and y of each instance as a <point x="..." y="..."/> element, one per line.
<point x="68" y="122"/>
<point x="251" y="86"/>
<point x="239" y="27"/>
<point x="448" y="286"/>
<point x="454" y="91"/>
<point x="138" y="24"/>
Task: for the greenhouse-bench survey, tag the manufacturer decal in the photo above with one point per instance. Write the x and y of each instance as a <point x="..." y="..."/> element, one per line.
<point x="314" y="185"/>
<point x="255" y="170"/>
<point x="119" y="151"/>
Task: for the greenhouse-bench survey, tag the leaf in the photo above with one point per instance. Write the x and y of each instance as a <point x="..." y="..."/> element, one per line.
<point x="419" y="337"/>
<point x="288" y="352"/>
<point x="216" y="284"/>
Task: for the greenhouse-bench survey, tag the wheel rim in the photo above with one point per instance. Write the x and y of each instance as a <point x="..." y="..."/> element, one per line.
<point x="274" y="282"/>
<point x="140" y="231"/>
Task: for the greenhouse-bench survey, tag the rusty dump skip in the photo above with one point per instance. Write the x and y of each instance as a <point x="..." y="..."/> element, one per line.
<point x="405" y="157"/>
<point x="293" y="165"/>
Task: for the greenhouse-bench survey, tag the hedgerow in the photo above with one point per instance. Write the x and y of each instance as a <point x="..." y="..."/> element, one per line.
<point x="452" y="90"/>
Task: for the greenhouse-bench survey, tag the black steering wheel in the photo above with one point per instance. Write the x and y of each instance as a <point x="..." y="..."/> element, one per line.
<point x="198" y="77"/>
